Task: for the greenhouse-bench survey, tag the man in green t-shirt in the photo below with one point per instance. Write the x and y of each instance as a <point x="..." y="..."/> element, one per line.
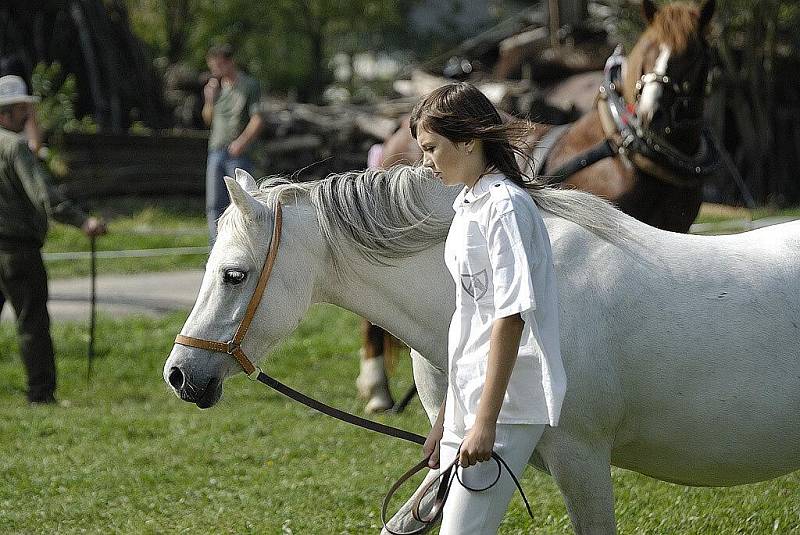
<point x="27" y="200"/>
<point x="234" y="111"/>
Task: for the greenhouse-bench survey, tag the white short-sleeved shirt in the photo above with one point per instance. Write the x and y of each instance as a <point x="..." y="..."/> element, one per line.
<point x="498" y="252"/>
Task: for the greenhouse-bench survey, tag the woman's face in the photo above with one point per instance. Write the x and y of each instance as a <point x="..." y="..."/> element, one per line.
<point x="452" y="163"/>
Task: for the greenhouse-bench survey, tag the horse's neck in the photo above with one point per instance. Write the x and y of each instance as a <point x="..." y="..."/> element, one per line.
<point x="404" y="298"/>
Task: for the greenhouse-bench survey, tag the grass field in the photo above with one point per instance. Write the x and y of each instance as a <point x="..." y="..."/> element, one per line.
<point x="126" y="456"/>
<point x="135" y="223"/>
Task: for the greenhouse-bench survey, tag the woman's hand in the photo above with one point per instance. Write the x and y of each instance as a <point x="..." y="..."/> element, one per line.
<point x="431" y="446"/>
<point x="477" y="445"/>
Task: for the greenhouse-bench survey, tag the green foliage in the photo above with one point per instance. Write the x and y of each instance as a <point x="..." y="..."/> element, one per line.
<point x="286" y="44"/>
<point x="56" y="111"/>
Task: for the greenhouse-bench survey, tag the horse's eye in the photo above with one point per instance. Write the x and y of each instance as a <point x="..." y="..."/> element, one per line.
<point x="234" y="276"/>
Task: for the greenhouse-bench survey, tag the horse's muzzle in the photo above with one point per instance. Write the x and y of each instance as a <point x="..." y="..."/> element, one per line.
<point x="205" y="394"/>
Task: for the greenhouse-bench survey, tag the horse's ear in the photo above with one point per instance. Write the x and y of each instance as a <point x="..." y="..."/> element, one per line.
<point x="243" y="200"/>
<point x="706" y="12"/>
<point x="246" y="180"/>
<point x="649" y="10"/>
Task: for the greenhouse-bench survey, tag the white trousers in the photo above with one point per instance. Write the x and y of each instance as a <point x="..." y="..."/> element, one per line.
<point x="467" y="512"/>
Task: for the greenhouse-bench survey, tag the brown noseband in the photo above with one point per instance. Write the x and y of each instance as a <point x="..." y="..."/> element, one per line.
<point x="233" y="347"/>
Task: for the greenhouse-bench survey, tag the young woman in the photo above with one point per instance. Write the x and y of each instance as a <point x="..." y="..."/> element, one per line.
<point x="506" y="378"/>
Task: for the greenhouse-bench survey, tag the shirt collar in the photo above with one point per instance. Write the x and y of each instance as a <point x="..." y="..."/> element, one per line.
<point x="478" y="190"/>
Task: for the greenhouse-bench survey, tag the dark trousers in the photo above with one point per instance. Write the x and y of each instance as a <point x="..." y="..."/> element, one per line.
<point x="23" y="282"/>
<point x="220" y="164"/>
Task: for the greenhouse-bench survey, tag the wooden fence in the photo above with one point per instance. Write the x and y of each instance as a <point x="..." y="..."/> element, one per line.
<point x="107" y="165"/>
<point x="102" y="165"/>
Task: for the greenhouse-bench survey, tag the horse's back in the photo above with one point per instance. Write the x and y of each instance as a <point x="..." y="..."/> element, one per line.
<point x="695" y="341"/>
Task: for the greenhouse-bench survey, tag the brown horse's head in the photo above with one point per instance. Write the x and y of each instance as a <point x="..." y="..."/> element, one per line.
<point x="666" y="72"/>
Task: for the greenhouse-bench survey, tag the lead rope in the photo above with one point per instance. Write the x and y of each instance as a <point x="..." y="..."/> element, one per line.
<point x="445" y="478"/>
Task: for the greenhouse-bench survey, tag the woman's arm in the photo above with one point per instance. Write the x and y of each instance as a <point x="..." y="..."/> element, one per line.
<point x="503" y="349"/>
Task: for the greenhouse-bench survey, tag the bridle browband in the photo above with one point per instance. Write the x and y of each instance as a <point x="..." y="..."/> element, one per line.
<point x="233" y="347"/>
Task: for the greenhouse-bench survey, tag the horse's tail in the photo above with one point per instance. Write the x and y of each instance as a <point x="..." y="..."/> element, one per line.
<point x="589" y="211"/>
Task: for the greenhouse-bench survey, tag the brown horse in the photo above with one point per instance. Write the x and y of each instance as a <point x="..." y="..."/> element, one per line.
<point x="642" y="146"/>
<point x="656" y="150"/>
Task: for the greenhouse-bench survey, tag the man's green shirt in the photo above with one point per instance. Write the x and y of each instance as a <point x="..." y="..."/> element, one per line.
<point x="27" y="196"/>
<point x="233" y="108"/>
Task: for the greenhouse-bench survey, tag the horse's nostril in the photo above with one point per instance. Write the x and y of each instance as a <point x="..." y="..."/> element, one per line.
<point x="176" y="378"/>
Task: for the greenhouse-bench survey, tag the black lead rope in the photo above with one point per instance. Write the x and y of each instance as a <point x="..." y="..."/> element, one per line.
<point x="339" y="414"/>
<point x="445" y="478"/>
<point x="445" y="482"/>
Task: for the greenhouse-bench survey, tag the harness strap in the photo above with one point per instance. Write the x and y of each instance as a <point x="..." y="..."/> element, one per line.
<point x="605" y="149"/>
<point x="645" y="150"/>
<point x="266" y="271"/>
<point x="541" y="152"/>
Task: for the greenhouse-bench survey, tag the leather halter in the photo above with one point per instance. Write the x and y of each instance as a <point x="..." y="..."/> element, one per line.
<point x="233" y="347"/>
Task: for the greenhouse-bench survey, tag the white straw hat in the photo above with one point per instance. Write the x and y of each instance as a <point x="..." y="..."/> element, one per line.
<point x="13" y="91"/>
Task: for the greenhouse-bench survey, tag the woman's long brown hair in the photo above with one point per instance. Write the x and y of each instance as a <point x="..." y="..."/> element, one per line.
<point x="460" y="112"/>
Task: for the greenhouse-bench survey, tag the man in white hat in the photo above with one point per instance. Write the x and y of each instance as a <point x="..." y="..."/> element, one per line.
<point x="27" y="200"/>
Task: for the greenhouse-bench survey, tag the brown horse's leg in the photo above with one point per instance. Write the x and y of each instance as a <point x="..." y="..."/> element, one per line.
<point x="372" y="382"/>
<point x="372" y="337"/>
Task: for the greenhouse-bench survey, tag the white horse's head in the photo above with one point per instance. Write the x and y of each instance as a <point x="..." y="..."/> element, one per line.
<point x="232" y="273"/>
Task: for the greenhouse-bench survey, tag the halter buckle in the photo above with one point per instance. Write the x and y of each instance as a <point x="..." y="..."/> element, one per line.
<point x="231" y="346"/>
<point x="253" y="376"/>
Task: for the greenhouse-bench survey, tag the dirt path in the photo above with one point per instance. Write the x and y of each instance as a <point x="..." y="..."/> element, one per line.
<point x="144" y="293"/>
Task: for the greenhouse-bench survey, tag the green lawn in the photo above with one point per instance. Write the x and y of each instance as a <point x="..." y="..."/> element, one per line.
<point x="128" y="457"/>
<point x="135" y="223"/>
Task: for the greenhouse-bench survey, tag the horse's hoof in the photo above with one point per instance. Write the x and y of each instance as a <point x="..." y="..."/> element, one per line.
<point x="363" y="387"/>
<point x="381" y="402"/>
<point x="371" y="380"/>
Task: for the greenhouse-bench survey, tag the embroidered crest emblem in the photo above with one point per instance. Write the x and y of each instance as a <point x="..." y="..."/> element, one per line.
<point x="475" y="285"/>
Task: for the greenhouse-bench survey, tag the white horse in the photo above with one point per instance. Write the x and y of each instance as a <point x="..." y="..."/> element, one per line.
<point x="681" y="352"/>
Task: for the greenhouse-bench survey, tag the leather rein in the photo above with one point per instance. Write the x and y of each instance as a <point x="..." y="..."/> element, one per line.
<point x="233" y="347"/>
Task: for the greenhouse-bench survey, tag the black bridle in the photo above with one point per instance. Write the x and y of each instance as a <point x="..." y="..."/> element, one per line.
<point x="649" y="148"/>
<point x="681" y="100"/>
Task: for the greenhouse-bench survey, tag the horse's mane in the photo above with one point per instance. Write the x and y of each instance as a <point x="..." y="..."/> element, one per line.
<point x="383" y="213"/>
<point x="675" y="25"/>
<point x="391" y="213"/>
